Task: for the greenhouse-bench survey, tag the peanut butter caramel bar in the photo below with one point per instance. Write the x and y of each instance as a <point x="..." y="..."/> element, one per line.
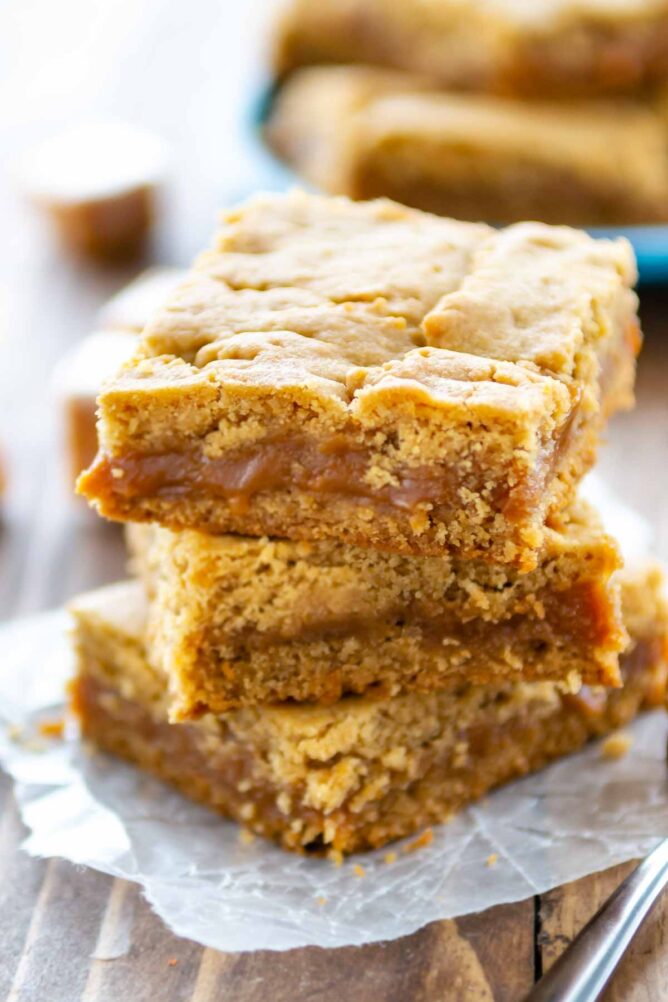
<point x="237" y="621"/>
<point x="77" y="380"/>
<point x="365" y="132"/>
<point x="373" y="374"/>
<point x="553" y="47"/>
<point x="82" y="372"/>
<point x="362" y="772"/>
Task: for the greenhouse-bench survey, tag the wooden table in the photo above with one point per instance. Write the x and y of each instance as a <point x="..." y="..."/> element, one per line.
<point x="55" y="919"/>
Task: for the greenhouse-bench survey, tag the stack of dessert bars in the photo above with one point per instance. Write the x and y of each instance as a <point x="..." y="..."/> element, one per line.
<point x="348" y="450"/>
<point x="482" y="109"/>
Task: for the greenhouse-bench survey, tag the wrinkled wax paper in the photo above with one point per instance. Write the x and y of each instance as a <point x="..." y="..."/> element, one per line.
<point x="581" y="815"/>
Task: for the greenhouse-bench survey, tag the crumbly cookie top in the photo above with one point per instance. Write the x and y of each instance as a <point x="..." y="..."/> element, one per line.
<point x="301" y="289"/>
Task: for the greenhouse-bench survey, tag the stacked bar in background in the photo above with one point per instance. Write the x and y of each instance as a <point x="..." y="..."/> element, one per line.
<point x="484" y="110"/>
<point x="548" y="47"/>
<point x="369" y="592"/>
<point x="81" y="373"/>
<point x="366" y="132"/>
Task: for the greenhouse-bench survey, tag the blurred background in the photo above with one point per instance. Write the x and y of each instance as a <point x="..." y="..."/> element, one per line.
<point x="179" y="110"/>
<point x="185" y="72"/>
<point x="182" y="108"/>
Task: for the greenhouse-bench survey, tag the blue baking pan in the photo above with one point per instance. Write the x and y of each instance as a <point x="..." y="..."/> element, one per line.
<point x="268" y="173"/>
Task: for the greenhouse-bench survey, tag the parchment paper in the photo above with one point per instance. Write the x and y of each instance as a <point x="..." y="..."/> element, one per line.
<point x="581" y="815"/>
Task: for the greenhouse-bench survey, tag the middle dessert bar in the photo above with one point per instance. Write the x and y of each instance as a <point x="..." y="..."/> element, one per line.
<point x="373" y="374"/>
<point x="236" y="621"/>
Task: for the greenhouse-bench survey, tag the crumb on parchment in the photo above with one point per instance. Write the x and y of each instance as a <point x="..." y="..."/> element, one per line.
<point x="359" y="871"/>
<point x="321" y="900"/>
<point x="52" y="728"/>
<point x="390" y="857"/>
<point x="335" y="856"/>
<point x="27" y="739"/>
<point x="616" y="745"/>
<point x="492" y="859"/>
<point x="424" y="839"/>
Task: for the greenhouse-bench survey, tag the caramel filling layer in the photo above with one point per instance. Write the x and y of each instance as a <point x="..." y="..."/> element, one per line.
<point x="225" y="777"/>
<point x="335" y="467"/>
<point x="645" y="657"/>
<point x="582" y="616"/>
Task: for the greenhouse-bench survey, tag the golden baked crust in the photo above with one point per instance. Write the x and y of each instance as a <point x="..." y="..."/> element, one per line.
<point x="371" y="373"/>
<point x="554" y="47"/>
<point x="366" y="132"/>
<point x="362" y="772"/>
<point x="236" y="621"/>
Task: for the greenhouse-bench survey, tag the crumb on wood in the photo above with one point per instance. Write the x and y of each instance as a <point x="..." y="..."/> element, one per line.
<point x="492" y="859"/>
<point x="424" y="839"/>
<point x="616" y="745"/>
<point x="52" y="728"/>
<point x="172" y="962"/>
<point x="359" y="871"/>
<point x="390" y="857"/>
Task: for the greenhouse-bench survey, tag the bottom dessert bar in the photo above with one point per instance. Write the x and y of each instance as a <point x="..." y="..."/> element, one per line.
<point x="362" y="772"/>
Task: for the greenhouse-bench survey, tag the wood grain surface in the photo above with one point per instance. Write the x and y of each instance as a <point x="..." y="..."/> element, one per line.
<point x="70" y="934"/>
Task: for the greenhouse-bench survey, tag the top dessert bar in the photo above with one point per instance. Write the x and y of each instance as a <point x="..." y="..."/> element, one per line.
<point x="374" y="374"/>
<point x="526" y="47"/>
<point x="365" y="132"/>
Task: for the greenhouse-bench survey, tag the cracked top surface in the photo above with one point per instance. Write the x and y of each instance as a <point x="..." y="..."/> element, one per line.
<point x="338" y="296"/>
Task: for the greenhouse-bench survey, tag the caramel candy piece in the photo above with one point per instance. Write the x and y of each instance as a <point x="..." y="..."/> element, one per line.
<point x="98" y="184"/>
